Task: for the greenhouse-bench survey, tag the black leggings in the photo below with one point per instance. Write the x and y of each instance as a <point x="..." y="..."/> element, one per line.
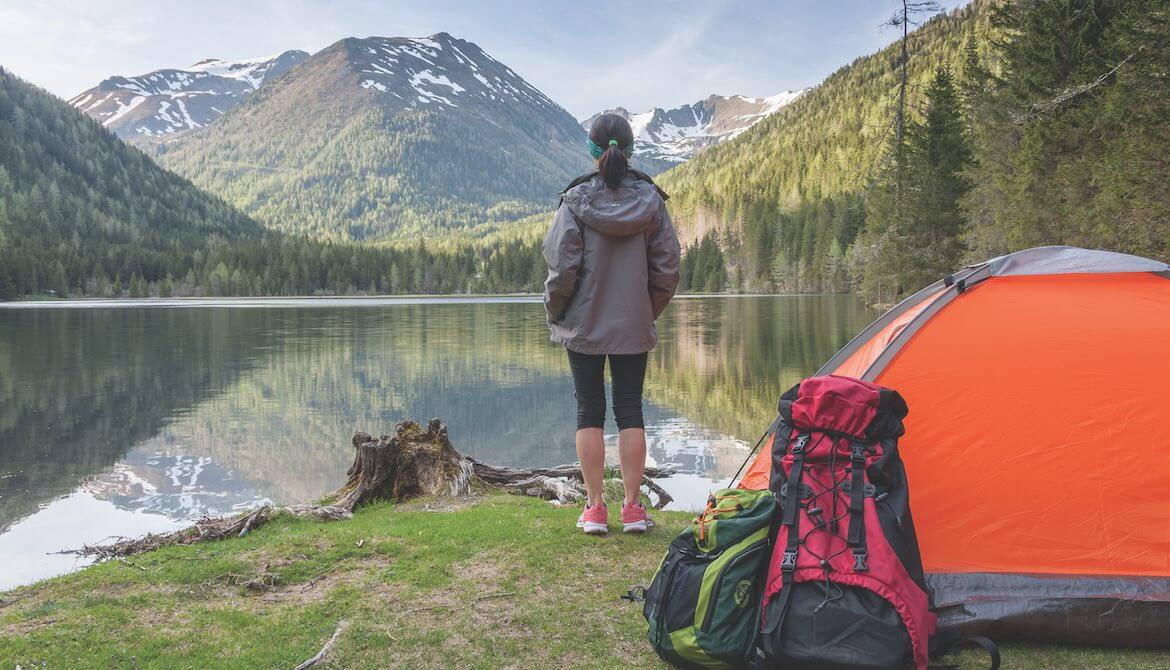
<point x="627" y="371"/>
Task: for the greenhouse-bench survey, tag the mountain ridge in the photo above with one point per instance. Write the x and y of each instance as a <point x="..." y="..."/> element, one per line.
<point x="385" y="138"/>
<point x="166" y="103"/>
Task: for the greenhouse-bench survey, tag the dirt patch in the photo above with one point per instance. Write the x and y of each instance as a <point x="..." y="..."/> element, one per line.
<point x="361" y="574"/>
<point x="486" y="570"/>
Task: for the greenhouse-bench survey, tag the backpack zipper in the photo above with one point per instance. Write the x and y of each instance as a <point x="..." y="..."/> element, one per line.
<point x="714" y="599"/>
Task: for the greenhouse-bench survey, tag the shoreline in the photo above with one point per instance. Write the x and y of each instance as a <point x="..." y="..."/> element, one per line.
<point x="375" y="300"/>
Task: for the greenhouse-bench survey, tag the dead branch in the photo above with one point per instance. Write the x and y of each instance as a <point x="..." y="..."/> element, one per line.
<point x="1045" y="106"/>
<point x="664" y="498"/>
<point x="207" y="529"/>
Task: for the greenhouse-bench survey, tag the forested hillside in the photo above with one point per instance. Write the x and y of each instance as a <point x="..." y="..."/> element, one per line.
<point x="76" y="202"/>
<point x="1026" y="123"/>
<point x="84" y="214"/>
<point x="1071" y="138"/>
<point x="786" y="199"/>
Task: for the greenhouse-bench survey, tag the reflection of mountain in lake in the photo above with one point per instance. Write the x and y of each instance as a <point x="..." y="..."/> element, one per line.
<point x="78" y="388"/>
<point x="191" y="411"/>
<point x="178" y="486"/>
<point x="683" y="446"/>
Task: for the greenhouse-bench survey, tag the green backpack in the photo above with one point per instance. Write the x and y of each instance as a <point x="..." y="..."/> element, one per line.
<point x="703" y="606"/>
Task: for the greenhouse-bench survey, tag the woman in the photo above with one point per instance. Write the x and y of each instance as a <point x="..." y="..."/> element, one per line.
<point x="612" y="257"/>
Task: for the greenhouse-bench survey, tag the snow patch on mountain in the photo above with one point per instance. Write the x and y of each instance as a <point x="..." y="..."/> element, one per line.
<point x="253" y="71"/>
<point x="168" y="102"/>
<point x="676" y="135"/>
<point x="442" y="69"/>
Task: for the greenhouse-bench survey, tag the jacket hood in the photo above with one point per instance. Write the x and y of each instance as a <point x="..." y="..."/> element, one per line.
<point x="626" y="210"/>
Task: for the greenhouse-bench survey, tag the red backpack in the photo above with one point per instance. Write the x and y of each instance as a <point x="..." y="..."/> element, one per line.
<point x="845" y="586"/>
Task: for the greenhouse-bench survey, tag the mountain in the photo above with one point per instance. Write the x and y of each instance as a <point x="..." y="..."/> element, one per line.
<point x="785" y="198"/>
<point x="76" y="202"/>
<point x="164" y="104"/>
<point x="388" y="139"/>
<point x="666" y="137"/>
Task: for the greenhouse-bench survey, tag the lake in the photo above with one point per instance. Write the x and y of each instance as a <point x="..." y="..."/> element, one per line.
<point x="122" y="418"/>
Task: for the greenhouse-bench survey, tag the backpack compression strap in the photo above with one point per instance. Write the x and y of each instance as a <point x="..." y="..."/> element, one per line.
<point x="857" y="508"/>
<point x="791" y="518"/>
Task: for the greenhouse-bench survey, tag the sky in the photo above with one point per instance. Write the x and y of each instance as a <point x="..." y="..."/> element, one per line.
<point x="588" y="56"/>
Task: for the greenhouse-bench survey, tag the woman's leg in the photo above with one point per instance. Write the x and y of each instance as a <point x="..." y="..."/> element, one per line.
<point x="589" y="388"/>
<point x="629" y="372"/>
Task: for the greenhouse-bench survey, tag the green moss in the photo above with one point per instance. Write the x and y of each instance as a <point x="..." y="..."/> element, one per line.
<point x="503" y="581"/>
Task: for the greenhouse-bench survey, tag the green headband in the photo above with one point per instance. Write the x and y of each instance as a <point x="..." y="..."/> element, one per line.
<point x="596" y="151"/>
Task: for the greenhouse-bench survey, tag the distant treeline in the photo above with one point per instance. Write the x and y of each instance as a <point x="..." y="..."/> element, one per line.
<point x="265" y="266"/>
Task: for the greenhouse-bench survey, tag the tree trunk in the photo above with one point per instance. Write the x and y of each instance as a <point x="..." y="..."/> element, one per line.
<point x="413" y="462"/>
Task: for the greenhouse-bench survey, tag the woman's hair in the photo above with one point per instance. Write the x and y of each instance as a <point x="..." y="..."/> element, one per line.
<point x="613" y="135"/>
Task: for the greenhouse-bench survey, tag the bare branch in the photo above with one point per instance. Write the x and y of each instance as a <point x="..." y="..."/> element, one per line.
<point x="1045" y="106"/>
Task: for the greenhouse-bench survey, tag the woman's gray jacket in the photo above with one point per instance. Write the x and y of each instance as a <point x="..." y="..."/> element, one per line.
<point x="613" y="261"/>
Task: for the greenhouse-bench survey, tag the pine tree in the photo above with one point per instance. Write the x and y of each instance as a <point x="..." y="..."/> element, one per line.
<point x="924" y="242"/>
<point x="939" y="155"/>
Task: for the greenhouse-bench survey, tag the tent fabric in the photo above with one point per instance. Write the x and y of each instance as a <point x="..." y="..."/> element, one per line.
<point x="1066" y="260"/>
<point x="1038" y="439"/>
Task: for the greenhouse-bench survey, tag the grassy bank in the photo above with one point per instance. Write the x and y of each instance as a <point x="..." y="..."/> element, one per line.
<point x="498" y="582"/>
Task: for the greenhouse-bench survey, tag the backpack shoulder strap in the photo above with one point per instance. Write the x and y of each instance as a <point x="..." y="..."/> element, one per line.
<point x="636" y="174"/>
<point x="578" y="181"/>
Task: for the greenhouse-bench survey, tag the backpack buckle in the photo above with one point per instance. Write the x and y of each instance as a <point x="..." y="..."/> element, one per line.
<point x="868" y="490"/>
<point x="857" y="453"/>
<point x="860" y="560"/>
<point x="788" y="563"/>
<point x="799" y="443"/>
<point x="804" y="491"/>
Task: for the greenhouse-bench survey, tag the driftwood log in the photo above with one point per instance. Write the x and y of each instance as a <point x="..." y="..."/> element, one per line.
<point x="414" y="462"/>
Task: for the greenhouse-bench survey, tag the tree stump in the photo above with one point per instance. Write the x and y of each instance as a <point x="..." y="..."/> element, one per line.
<point x="416" y="462"/>
<point x="411" y="463"/>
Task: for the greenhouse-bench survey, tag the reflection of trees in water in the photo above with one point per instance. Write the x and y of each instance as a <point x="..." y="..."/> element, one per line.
<point x="724" y="362"/>
<point x="79" y="387"/>
<point x="485" y="369"/>
<point x="272" y="395"/>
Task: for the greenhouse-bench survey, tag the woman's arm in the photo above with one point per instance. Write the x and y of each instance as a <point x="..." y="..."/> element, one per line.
<point x="562" y="251"/>
<point x="662" y="253"/>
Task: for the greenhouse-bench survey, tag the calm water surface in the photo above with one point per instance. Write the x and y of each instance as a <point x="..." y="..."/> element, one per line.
<point x="122" y="419"/>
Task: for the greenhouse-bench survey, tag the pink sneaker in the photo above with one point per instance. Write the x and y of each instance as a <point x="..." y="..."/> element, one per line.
<point x="635" y="519"/>
<point x="594" y="520"/>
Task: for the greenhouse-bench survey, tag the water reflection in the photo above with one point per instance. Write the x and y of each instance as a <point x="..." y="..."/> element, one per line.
<point x="176" y="413"/>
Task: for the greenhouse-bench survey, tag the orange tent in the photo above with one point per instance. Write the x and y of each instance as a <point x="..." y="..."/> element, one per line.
<point x="1038" y="441"/>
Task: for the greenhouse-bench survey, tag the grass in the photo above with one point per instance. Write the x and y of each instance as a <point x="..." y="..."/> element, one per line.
<point x="499" y="582"/>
